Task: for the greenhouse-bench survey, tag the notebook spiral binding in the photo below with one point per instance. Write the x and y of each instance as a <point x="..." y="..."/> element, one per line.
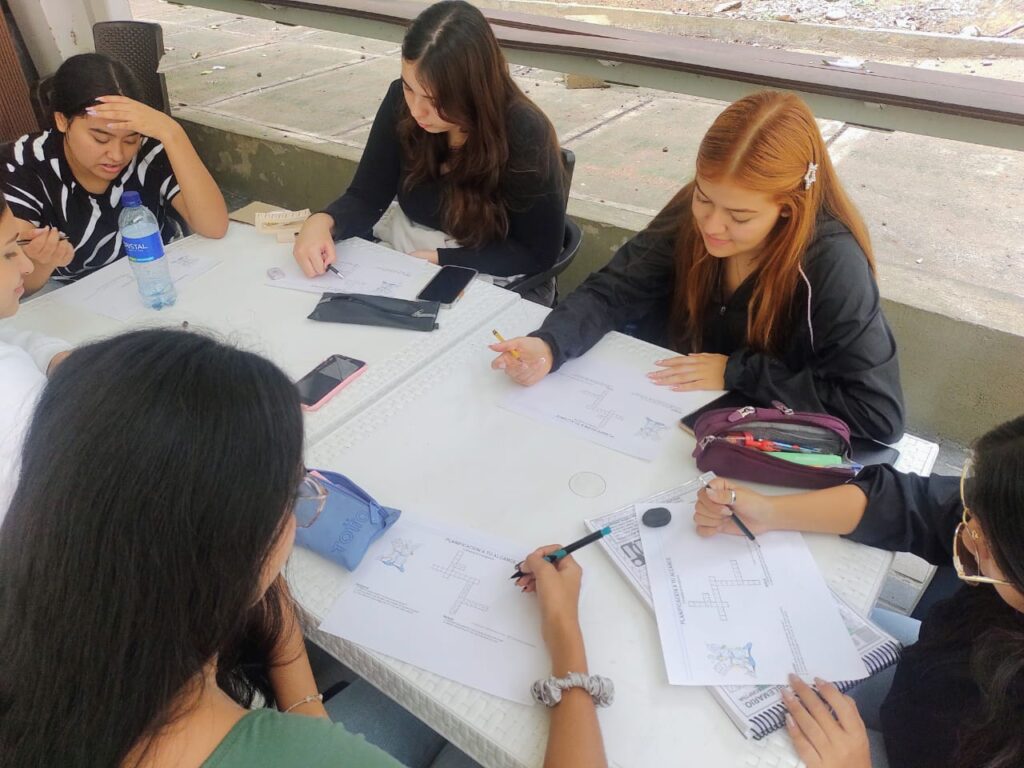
<point x="774" y="718"/>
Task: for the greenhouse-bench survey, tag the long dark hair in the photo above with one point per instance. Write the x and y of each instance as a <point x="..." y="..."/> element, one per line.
<point x="157" y="473"/>
<point x="763" y="142"/>
<point x="994" y="738"/>
<point x="458" y="58"/>
<point x="81" y="79"/>
<point x="981" y="625"/>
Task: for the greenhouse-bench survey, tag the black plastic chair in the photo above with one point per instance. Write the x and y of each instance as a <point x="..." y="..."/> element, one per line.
<point x="570" y="243"/>
<point x="570" y="247"/>
<point x="140" y="46"/>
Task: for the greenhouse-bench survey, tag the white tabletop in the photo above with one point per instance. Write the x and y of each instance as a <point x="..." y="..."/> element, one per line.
<point x="421" y="429"/>
<point x="454" y="454"/>
<point x="233" y="301"/>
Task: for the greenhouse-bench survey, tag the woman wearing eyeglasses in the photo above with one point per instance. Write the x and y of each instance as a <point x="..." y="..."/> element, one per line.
<point x="141" y="601"/>
<point x="957" y="695"/>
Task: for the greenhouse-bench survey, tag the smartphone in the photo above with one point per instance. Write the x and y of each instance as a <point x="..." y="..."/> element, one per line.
<point x="327" y="379"/>
<point x="447" y="285"/>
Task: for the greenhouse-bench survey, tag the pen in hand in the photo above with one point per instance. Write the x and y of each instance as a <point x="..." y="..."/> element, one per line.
<point x="26" y="241"/>
<point x="335" y="271"/>
<point x="558" y="554"/>
<point x="735" y="518"/>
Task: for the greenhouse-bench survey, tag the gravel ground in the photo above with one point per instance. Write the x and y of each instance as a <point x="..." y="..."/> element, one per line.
<point x="987" y="17"/>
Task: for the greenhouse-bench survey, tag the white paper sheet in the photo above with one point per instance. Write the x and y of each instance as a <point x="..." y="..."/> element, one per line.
<point x="111" y="291"/>
<point x="735" y="612"/>
<point x="613" y="405"/>
<point x="366" y="268"/>
<point x="624" y="546"/>
<point x="440" y="598"/>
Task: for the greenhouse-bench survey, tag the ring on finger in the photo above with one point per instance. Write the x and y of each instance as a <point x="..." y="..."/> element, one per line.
<point x="732" y="497"/>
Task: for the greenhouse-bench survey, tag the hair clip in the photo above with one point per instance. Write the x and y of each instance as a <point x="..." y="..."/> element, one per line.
<point x="811" y="176"/>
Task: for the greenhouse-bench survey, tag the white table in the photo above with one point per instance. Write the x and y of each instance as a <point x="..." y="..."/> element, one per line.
<point x="421" y="430"/>
<point x="453" y="454"/>
<point x="232" y="301"/>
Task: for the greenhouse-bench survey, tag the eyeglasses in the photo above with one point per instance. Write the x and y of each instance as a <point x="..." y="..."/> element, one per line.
<point x="965" y="542"/>
<point x="309" y="501"/>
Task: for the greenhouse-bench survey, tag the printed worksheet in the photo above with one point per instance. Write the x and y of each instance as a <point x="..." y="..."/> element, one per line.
<point x="613" y="405"/>
<point x="111" y="291"/>
<point x="624" y="545"/>
<point x="365" y="267"/>
<point x="441" y="598"/>
<point x="737" y="612"/>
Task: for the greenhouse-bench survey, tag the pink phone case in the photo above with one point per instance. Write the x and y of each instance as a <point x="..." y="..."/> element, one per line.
<point x="319" y="404"/>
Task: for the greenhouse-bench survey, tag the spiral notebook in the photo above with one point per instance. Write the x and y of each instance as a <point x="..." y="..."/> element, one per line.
<point x="756" y="710"/>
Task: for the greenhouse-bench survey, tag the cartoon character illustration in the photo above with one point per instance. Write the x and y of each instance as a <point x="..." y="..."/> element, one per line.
<point x="727" y="658"/>
<point x="401" y="551"/>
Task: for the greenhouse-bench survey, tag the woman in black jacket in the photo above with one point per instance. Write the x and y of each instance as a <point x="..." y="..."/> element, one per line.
<point x="957" y="698"/>
<point x="759" y="272"/>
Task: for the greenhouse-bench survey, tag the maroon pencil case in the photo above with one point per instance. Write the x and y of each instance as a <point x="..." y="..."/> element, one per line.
<point x="720" y="450"/>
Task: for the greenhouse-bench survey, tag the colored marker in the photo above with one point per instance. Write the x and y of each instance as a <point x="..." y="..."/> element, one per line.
<point x="557" y="555"/>
<point x="513" y="352"/>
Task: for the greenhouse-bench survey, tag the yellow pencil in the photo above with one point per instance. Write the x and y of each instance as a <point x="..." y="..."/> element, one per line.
<point x="513" y="352"/>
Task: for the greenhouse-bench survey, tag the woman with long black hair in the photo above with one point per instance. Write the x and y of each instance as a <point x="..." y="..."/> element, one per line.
<point x="142" y="606"/>
<point x="957" y="696"/>
<point x="474" y="163"/>
<point x="67" y="182"/>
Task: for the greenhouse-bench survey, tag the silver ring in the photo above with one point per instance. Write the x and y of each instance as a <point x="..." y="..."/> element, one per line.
<point x="733" y="499"/>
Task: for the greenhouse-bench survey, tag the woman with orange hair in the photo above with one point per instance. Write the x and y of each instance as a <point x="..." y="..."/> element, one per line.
<point x="759" y="272"/>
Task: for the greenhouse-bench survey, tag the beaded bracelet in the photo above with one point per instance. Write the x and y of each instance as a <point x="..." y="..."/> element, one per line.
<point x="549" y="691"/>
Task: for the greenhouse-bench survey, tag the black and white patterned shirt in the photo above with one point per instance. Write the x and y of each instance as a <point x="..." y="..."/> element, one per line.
<point x="40" y="188"/>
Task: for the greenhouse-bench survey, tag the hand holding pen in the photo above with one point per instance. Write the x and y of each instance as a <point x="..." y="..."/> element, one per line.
<point x="47" y="247"/>
<point x="558" y="553"/>
<point x="719" y="506"/>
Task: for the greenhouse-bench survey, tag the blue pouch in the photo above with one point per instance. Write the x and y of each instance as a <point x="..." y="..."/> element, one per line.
<point x="350" y="521"/>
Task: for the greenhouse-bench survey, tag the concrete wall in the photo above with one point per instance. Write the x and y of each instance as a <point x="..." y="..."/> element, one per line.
<point x="959" y="378"/>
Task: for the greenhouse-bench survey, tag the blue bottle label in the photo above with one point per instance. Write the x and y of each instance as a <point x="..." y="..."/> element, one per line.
<point x="144" y="249"/>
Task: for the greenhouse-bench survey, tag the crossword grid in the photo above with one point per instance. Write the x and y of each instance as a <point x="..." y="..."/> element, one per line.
<point x="603" y="415"/>
<point x="714" y="599"/>
<point x="456" y="570"/>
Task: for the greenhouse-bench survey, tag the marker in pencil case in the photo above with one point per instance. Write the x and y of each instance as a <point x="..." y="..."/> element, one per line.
<point x="558" y="554"/>
<point x="747" y="440"/>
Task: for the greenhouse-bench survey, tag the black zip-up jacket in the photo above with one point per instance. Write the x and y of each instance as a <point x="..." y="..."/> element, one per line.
<point x="934" y="693"/>
<point x="839" y="356"/>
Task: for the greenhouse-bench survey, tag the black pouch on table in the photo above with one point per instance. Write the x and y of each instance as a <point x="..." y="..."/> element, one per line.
<point x="362" y="309"/>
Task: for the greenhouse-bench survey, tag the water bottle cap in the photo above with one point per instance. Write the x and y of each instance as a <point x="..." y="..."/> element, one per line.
<point x="130" y="199"/>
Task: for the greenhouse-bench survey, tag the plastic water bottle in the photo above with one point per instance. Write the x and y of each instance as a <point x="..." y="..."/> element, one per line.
<point x="140" y="234"/>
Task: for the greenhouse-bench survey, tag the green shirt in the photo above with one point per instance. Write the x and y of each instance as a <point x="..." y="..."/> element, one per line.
<point x="270" y="738"/>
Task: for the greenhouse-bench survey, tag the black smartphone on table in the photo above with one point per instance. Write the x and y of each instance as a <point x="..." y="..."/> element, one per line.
<point x="327" y="379"/>
<point x="447" y="285"/>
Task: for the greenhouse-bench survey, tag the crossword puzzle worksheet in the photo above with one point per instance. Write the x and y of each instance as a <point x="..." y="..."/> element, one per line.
<point x="440" y="598"/>
<point x="737" y="612"/>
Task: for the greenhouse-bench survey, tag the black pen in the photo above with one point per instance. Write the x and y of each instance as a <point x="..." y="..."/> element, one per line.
<point x="331" y="267"/>
<point x="735" y="518"/>
<point x="557" y="555"/>
<point x="22" y="243"/>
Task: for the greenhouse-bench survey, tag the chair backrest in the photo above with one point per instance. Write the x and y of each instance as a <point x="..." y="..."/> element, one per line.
<point x="140" y="46"/>
<point x="570" y="247"/>
<point x="569" y="164"/>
